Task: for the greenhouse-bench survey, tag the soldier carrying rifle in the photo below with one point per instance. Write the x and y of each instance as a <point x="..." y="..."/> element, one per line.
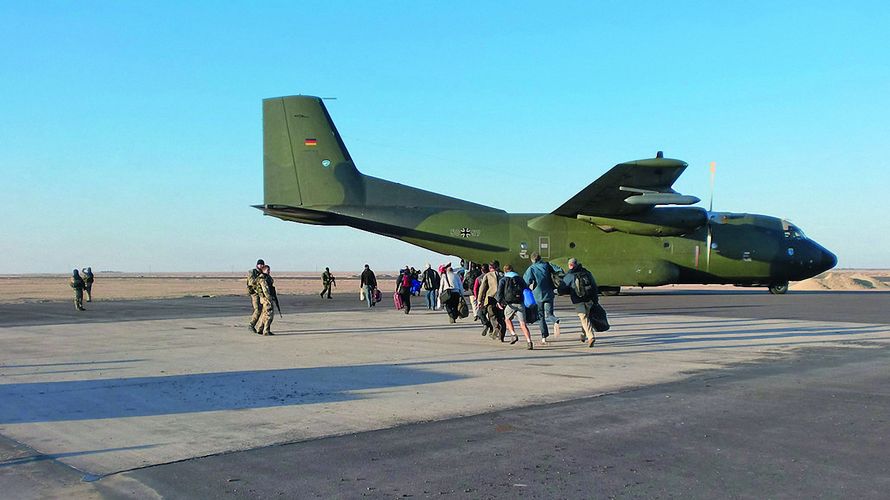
<point x="265" y="289"/>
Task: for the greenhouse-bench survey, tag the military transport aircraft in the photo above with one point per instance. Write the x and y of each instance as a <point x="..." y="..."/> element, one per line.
<point x="617" y="226"/>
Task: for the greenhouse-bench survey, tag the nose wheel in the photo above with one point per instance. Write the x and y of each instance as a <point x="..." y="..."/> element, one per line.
<point x="778" y="288"/>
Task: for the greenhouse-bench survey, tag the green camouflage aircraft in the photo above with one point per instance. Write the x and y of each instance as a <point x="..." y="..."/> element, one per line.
<point x="616" y="226"/>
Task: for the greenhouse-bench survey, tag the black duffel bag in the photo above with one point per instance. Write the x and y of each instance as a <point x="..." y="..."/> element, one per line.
<point x="598" y="317"/>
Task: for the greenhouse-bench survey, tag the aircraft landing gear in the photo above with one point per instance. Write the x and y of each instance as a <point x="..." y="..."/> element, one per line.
<point x="778" y="288"/>
<point x="610" y="291"/>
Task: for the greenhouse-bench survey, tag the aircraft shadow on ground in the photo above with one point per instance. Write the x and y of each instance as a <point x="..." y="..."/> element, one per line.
<point x="176" y="394"/>
<point x="568" y="346"/>
<point x="76" y="363"/>
<point x="631" y="339"/>
<point x="56" y="456"/>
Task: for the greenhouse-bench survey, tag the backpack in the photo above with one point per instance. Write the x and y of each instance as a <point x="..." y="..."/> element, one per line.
<point x="513" y="290"/>
<point x="585" y="286"/>
<point x="470" y="278"/>
<point x="404" y="284"/>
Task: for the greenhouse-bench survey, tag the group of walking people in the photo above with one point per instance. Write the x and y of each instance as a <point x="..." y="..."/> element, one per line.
<point x="498" y="297"/>
<point x="495" y="297"/>
<point x="504" y="296"/>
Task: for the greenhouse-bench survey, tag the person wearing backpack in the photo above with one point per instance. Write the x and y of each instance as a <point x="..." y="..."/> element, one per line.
<point x="403" y="289"/>
<point x="540" y="276"/>
<point x="252" y="276"/>
<point x="485" y="295"/>
<point x="479" y="310"/>
<point x="76" y="282"/>
<point x="469" y="284"/>
<point x="88" y="279"/>
<point x="510" y="299"/>
<point x="431" y="283"/>
<point x="581" y="287"/>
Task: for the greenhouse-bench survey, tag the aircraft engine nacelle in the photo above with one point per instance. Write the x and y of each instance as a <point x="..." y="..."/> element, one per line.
<point x="665" y="221"/>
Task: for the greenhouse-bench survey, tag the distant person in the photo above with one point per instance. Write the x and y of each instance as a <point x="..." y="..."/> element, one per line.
<point x="450" y="292"/>
<point x="488" y="287"/>
<point x="415" y="281"/>
<point x="540" y="276"/>
<point x="77" y="283"/>
<point x="265" y="288"/>
<point x="252" y="278"/>
<point x="369" y="285"/>
<point x="403" y="288"/>
<point x="88" y="279"/>
<point x="581" y="286"/>
<point x="510" y="299"/>
<point x="431" y="282"/>
<point x="328" y="280"/>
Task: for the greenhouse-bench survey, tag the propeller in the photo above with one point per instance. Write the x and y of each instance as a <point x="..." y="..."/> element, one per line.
<point x="710" y="210"/>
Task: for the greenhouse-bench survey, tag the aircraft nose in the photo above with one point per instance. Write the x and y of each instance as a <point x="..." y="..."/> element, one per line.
<point x="828" y="261"/>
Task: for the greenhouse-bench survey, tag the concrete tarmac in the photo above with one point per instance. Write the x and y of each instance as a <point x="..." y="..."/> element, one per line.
<point x="812" y="426"/>
<point x="130" y="395"/>
<point x="862" y="307"/>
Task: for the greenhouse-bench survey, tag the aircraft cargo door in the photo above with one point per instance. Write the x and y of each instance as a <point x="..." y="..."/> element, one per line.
<point x="544" y="247"/>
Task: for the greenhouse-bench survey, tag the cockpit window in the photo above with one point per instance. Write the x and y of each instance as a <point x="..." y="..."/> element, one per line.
<point x="792" y="232"/>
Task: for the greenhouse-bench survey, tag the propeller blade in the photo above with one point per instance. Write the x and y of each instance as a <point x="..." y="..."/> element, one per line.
<point x="713" y="172"/>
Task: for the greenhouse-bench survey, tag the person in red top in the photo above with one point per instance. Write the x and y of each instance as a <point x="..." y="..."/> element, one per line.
<point x="403" y="288"/>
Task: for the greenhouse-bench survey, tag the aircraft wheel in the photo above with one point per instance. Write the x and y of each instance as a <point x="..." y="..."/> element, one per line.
<point x="778" y="288"/>
<point x="608" y="291"/>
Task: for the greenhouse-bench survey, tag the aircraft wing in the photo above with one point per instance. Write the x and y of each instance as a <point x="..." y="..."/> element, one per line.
<point x="630" y="188"/>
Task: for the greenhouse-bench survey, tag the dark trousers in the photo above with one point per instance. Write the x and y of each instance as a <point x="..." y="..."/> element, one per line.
<point x="327" y="290"/>
<point x="451" y="305"/>
<point x="406" y="301"/>
<point x="496" y="317"/>
<point x="483" y="317"/>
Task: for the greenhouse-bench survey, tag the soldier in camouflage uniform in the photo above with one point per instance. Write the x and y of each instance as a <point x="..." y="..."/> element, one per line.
<point x="252" y="277"/>
<point x="265" y="289"/>
<point x="88" y="279"/>
<point x="328" y="280"/>
<point x="76" y="282"/>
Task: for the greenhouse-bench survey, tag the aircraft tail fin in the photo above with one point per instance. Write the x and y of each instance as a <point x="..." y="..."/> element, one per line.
<point x="305" y="162"/>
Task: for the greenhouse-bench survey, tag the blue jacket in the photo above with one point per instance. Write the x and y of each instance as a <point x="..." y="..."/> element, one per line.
<point x="539" y="274"/>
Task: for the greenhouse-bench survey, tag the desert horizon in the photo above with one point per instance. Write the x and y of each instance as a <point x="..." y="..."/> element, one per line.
<point x="168" y="285"/>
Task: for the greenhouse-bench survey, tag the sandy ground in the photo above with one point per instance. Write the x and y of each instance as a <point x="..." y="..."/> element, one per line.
<point x="848" y="279"/>
<point x="117" y="286"/>
<point x="121" y="286"/>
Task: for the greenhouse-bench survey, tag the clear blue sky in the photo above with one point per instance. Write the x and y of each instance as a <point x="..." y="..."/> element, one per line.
<point x="131" y="133"/>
